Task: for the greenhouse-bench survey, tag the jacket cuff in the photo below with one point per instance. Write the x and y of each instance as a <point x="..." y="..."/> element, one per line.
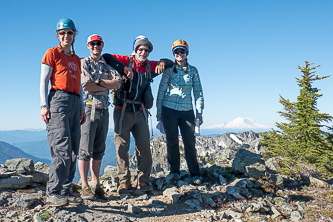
<point x="168" y="63"/>
<point x="113" y="62"/>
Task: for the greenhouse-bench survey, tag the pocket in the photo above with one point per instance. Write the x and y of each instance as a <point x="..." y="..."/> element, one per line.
<point x="116" y="117"/>
<point x="175" y="79"/>
<point x="55" y="122"/>
<point x="188" y="79"/>
<point x="148" y="97"/>
<point x="60" y="103"/>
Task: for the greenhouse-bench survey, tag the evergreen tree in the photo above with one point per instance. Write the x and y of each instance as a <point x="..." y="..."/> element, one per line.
<point x="302" y="141"/>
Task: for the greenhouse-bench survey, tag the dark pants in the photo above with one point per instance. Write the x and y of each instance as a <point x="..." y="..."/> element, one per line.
<point x="137" y="124"/>
<point x="63" y="133"/>
<point x="172" y="119"/>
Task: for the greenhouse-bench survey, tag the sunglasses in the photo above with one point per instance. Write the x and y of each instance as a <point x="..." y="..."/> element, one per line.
<point x="141" y="50"/>
<point x="95" y="43"/>
<point x="64" y="33"/>
<point x="179" y="52"/>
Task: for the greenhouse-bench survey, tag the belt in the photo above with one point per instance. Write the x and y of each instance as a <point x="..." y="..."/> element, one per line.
<point x="73" y="93"/>
<point x="123" y="109"/>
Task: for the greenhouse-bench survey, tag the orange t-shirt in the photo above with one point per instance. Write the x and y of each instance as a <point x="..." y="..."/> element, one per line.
<point x="66" y="72"/>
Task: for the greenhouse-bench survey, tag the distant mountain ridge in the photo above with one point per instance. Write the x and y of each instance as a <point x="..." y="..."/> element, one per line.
<point x="34" y="143"/>
<point x="240" y="123"/>
<point x="22" y="136"/>
<point x="37" y="148"/>
<point x="8" y="151"/>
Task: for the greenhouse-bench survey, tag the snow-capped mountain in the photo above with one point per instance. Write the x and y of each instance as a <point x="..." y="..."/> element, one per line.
<point x="240" y="123"/>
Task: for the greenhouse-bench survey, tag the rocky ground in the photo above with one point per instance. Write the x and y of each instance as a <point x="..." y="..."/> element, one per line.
<point x="237" y="199"/>
<point x="238" y="185"/>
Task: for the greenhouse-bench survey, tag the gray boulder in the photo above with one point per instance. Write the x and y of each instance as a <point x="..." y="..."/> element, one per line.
<point x="260" y="207"/>
<point x="30" y="200"/>
<point x="193" y="203"/>
<point x="272" y="164"/>
<point x="274" y="178"/>
<point x="39" y="177"/>
<point x="296" y="216"/>
<point x="248" y="163"/>
<point x="172" y="195"/>
<point x="42" y="167"/>
<point x="20" y="165"/>
<point x="18" y="181"/>
<point x="238" y="192"/>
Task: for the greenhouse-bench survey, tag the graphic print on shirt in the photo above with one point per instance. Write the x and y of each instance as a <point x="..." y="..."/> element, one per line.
<point x="72" y="66"/>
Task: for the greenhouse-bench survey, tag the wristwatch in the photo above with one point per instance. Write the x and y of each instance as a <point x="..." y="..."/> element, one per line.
<point x="99" y="81"/>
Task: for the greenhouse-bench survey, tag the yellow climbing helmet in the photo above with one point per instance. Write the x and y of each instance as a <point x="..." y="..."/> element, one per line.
<point x="180" y="44"/>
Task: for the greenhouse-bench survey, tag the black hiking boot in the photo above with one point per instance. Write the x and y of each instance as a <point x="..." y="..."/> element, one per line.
<point x="145" y="187"/>
<point x="73" y="200"/>
<point x="99" y="192"/>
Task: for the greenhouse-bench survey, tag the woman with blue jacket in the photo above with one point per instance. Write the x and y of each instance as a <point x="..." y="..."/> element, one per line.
<point x="174" y="109"/>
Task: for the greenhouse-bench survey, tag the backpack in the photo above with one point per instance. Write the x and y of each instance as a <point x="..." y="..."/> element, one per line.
<point x="120" y="95"/>
<point x="148" y="98"/>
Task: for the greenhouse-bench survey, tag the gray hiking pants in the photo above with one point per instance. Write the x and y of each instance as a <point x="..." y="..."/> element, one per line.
<point x="138" y="125"/>
<point x="63" y="133"/>
<point x="172" y="119"/>
<point x="93" y="135"/>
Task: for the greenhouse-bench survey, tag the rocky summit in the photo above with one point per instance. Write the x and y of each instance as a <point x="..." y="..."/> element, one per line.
<point x="238" y="185"/>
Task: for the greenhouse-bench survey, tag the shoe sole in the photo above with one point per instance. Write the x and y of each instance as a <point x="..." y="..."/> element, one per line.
<point x="101" y="197"/>
<point x="75" y="204"/>
<point x="123" y="191"/>
<point x="56" y="205"/>
<point x="197" y="183"/>
<point x="145" y="190"/>
<point x="88" y="198"/>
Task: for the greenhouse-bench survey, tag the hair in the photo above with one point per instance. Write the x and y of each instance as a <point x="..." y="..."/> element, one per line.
<point x="186" y="65"/>
<point x="62" y="50"/>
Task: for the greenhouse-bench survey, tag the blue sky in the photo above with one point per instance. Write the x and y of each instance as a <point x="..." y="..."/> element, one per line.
<point x="246" y="52"/>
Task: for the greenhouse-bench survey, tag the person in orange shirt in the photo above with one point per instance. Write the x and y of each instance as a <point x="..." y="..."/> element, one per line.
<point x="62" y="109"/>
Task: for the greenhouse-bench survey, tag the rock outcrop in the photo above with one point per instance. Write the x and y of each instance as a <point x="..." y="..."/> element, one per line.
<point x="238" y="185"/>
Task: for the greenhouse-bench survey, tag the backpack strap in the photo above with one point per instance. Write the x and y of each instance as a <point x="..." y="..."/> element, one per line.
<point x="94" y="95"/>
<point x="130" y="65"/>
<point x="127" y="101"/>
<point x="148" y="72"/>
<point x="130" y="62"/>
